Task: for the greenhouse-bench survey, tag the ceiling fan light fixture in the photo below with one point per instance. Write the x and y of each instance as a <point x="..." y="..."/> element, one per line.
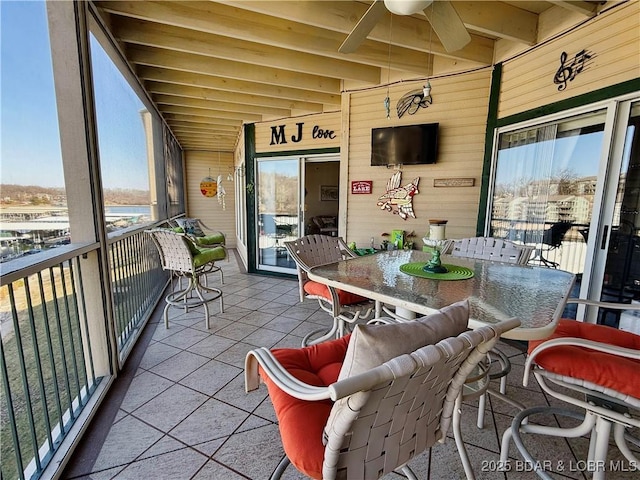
<point x="406" y="7"/>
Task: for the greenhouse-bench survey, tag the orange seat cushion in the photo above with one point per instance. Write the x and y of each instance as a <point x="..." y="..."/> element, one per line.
<point x="321" y="290"/>
<point x="604" y="369"/>
<point x="301" y="422"/>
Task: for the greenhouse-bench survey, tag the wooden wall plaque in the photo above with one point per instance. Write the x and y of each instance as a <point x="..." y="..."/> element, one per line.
<point x="454" y="182"/>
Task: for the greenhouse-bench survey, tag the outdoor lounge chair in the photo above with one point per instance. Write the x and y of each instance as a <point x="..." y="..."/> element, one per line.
<point x="184" y="259"/>
<point x="364" y="405"/>
<point x="597" y="369"/>
<point x="345" y="308"/>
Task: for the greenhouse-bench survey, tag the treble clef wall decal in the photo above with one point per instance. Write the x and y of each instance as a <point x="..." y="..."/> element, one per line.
<point x="568" y="71"/>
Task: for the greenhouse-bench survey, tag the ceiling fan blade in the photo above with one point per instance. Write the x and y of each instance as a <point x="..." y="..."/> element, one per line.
<point x="447" y="24"/>
<point x="363" y="27"/>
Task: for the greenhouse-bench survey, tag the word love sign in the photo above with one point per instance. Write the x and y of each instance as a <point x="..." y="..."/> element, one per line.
<point x="279" y="135"/>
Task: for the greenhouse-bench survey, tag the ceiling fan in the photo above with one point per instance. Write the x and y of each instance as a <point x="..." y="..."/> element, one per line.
<point x="441" y="15"/>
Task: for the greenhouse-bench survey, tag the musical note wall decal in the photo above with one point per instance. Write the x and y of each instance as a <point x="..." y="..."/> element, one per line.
<point x="569" y="69"/>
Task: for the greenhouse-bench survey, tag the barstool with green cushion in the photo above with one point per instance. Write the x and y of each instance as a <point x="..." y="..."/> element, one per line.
<point x="182" y="257"/>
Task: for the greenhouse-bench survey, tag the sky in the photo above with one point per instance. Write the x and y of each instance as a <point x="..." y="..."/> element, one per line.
<point x="30" y="145"/>
<point x="29" y="134"/>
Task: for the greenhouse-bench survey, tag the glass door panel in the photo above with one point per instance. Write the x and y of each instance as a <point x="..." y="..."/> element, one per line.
<point x="545" y="184"/>
<point x="277" y="203"/>
<point x="621" y="282"/>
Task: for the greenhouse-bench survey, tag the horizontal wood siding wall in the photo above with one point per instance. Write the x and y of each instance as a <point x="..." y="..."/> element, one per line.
<point x="324" y="121"/>
<point x="201" y="164"/>
<point x="460" y="107"/>
<point x="614" y="38"/>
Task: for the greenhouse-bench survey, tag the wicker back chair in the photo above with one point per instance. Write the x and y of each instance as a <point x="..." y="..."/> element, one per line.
<point x="345" y="308"/>
<point x="489" y="248"/>
<point x="384" y="417"/>
<point x="184" y="259"/>
<point x="497" y="250"/>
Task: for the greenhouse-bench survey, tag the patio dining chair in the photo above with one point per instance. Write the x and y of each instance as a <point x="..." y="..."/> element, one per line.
<point x="552" y="239"/>
<point x="345" y="308"/>
<point x="497" y="250"/>
<point x="595" y="368"/>
<point x="364" y="405"/>
<point x="184" y="259"/>
<point x="489" y="248"/>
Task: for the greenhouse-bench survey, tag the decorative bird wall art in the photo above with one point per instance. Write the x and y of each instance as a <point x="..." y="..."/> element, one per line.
<point x="399" y="199"/>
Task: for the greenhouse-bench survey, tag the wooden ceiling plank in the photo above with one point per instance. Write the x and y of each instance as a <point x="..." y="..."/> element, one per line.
<point x="500" y="20"/>
<point x="231" y="85"/>
<point x="411" y="32"/>
<point x="588" y="9"/>
<point x="233" y="97"/>
<point x="203" y="127"/>
<point x="199" y="64"/>
<point x="202" y="120"/>
<point x="203" y="112"/>
<point x="211" y="105"/>
<point x="215" y="18"/>
<point x="146" y="33"/>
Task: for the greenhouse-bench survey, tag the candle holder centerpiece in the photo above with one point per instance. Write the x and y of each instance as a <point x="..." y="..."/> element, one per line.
<point x="435" y="240"/>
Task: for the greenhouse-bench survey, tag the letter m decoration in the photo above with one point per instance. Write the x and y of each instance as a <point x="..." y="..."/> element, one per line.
<point x="277" y="135"/>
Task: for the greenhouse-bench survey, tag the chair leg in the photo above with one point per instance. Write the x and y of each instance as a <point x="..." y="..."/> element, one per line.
<point x="518" y="427"/>
<point x="282" y="466"/>
<point x="328" y="335"/>
<point x="457" y="435"/>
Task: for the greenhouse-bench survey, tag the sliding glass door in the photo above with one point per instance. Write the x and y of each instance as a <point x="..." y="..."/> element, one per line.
<point x="570" y="186"/>
<point x="278" y="212"/>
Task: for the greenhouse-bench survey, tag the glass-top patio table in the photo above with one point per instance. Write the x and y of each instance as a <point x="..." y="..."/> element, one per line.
<point x="497" y="291"/>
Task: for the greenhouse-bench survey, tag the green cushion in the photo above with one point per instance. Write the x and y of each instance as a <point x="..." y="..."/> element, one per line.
<point x="213" y="239"/>
<point x="177" y="229"/>
<point x="207" y="255"/>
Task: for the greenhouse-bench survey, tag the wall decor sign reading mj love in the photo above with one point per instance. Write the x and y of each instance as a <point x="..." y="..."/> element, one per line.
<point x="279" y="136"/>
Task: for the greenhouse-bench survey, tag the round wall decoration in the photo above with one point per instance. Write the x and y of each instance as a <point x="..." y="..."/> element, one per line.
<point x="208" y="187"/>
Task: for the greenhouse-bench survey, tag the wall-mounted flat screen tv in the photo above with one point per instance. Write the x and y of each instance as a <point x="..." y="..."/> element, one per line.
<point x="404" y="145"/>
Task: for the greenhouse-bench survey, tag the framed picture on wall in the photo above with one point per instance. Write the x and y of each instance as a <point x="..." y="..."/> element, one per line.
<point x="328" y="193"/>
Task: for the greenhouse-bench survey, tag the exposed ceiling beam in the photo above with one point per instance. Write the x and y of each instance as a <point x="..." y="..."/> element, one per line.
<point x="227" y="106"/>
<point x="245" y="25"/>
<point x="190" y="41"/>
<point x="195" y="126"/>
<point x="341" y="17"/>
<point x="221" y="96"/>
<point x="181" y="117"/>
<point x="306" y="97"/>
<point x="499" y="20"/>
<point x="156" y="57"/>
<point x="588" y="9"/>
<point x="217" y="114"/>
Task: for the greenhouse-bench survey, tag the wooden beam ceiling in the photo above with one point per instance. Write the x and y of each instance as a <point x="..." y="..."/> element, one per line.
<point x="211" y="66"/>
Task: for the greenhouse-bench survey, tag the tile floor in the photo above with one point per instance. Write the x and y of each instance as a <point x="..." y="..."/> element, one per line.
<point x="179" y="409"/>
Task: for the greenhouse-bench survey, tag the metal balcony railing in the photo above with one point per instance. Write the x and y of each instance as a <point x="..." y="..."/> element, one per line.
<point x="567" y="251"/>
<point x="48" y="352"/>
<point x="137" y="282"/>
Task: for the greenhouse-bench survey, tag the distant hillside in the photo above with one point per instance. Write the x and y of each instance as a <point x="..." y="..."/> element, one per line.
<point x="35" y="195"/>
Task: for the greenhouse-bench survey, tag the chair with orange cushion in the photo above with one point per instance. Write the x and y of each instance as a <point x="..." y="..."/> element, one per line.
<point x="602" y="365"/>
<point x="345" y="308"/>
<point x="364" y="405"/>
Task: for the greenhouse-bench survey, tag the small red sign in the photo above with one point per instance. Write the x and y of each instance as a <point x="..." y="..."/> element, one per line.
<point x="361" y="186"/>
